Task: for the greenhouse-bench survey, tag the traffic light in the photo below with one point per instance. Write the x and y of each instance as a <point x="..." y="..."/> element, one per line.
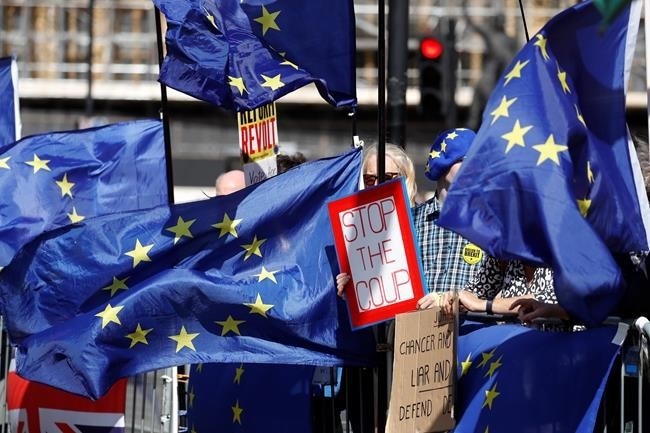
<point x="437" y="67"/>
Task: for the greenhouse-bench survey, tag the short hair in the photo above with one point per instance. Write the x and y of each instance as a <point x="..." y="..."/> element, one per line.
<point x="285" y="162"/>
<point x="401" y="160"/>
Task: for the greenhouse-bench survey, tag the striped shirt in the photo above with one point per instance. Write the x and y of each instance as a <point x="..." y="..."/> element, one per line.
<point x="449" y="260"/>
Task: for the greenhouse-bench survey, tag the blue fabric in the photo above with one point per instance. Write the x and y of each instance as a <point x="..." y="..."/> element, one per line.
<point x="548" y="179"/>
<point x="51" y="180"/>
<point x="247" y="277"/>
<point x="446" y="150"/>
<point x="222" y="51"/>
<point x="513" y="378"/>
<point x="8" y="110"/>
<point x="250" y="398"/>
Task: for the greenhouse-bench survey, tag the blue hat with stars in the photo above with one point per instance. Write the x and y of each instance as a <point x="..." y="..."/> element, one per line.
<point x="447" y="149"/>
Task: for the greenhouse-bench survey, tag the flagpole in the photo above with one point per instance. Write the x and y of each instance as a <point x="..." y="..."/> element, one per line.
<point x="164" y="112"/>
<point x="646" y="6"/>
<point x="523" y="18"/>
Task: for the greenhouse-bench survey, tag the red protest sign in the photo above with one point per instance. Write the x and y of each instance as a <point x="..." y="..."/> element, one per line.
<point x="373" y="233"/>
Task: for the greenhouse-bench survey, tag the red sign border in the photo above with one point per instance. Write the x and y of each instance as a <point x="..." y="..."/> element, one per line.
<point x="395" y="189"/>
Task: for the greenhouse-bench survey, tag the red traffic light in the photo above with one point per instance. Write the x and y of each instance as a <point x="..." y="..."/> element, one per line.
<point x="431" y="48"/>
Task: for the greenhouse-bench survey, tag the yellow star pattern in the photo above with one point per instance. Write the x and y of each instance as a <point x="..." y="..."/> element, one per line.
<point x="451" y="135"/>
<point x="259" y="307"/>
<point x="515" y="72"/>
<point x="590" y="174"/>
<point x="490" y="395"/>
<point x="39" y="164"/>
<point x="561" y="75"/>
<point x="139" y="336"/>
<point x="273" y="83"/>
<point x="502" y="109"/>
<point x="3" y="162"/>
<point x="210" y="18"/>
<point x="237" y="82"/>
<point x="494" y="365"/>
<point x="227" y="226"/>
<point x="75" y="217"/>
<point x="65" y="185"/>
<point x="516" y="136"/>
<point x="184" y="339"/>
<point x="579" y="116"/>
<point x="443" y="145"/>
<point x="266" y="275"/>
<point x="434" y="154"/>
<point x="584" y="206"/>
<point x="230" y="325"/>
<point x="182" y="228"/>
<point x="541" y="43"/>
<point x="288" y="63"/>
<point x="253" y="248"/>
<point x="109" y="315"/>
<point x="116" y="285"/>
<point x="267" y="20"/>
<point x="139" y="253"/>
<point x="236" y="413"/>
<point x="465" y="365"/>
<point x="549" y="150"/>
<point x="239" y="371"/>
<point x="485" y="358"/>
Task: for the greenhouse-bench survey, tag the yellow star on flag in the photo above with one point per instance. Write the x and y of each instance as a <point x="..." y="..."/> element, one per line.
<point x="451" y="135"/>
<point x="494" y="365"/>
<point x="239" y="371"/>
<point x="549" y="150"/>
<point x="210" y="18"/>
<point x="267" y="20"/>
<point x="236" y="413"/>
<point x="75" y="217"/>
<point x="182" y="228"/>
<point x="434" y="154"/>
<point x="466" y="364"/>
<point x="230" y="325"/>
<point x="502" y="109"/>
<point x="253" y="248"/>
<point x="443" y="145"/>
<point x="515" y="72"/>
<point x="486" y="358"/>
<point x="273" y="83"/>
<point x="579" y="116"/>
<point x="184" y="339"/>
<point x="116" y="285"/>
<point x="65" y="185"/>
<point x="490" y="395"/>
<point x="227" y="226"/>
<point x="541" y="43"/>
<point x="237" y="82"/>
<point x="259" y="307"/>
<point x="288" y="63"/>
<point x="39" y="164"/>
<point x="3" y="162"/>
<point x="590" y="174"/>
<point x="139" y="253"/>
<point x="139" y="336"/>
<point x="562" y="76"/>
<point x="584" y="206"/>
<point x="109" y="315"/>
<point x="516" y="136"/>
<point x="266" y="275"/>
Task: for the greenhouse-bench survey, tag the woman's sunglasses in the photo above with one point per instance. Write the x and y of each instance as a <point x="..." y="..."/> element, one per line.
<point x="371" y="179"/>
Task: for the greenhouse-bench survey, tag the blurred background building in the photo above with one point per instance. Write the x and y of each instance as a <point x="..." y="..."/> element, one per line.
<point x="51" y="41"/>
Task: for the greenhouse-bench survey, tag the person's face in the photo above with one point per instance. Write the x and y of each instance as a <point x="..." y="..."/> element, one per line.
<point x="451" y="173"/>
<point x="370" y="177"/>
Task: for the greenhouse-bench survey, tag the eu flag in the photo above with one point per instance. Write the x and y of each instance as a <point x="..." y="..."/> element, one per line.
<point x="59" y="178"/>
<point x="548" y="179"/>
<point x="9" y="106"/>
<point x="250" y="397"/>
<point x="241" y="54"/>
<point x="513" y="378"/>
<point x="246" y="277"/>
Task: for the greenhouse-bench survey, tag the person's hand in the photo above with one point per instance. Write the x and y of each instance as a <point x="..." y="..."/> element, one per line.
<point x="470" y="302"/>
<point x="430" y="300"/>
<point x="341" y="280"/>
<point x="531" y="309"/>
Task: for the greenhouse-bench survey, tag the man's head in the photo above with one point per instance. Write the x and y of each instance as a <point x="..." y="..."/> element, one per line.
<point x="230" y="182"/>
<point x="447" y="150"/>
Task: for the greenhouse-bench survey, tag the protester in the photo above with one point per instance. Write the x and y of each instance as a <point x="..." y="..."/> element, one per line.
<point x="229" y="182"/>
<point x="285" y="162"/>
<point x="449" y="260"/>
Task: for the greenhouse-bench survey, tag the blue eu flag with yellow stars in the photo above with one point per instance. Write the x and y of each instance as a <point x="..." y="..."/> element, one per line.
<point x="514" y="378"/>
<point x="59" y="178"/>
<point x="549" y="178"/>
<point x="9" y="107"/>
<point x="247" y="277"/>
<point x="241" y="54"/>
<point x="250" y="397"/>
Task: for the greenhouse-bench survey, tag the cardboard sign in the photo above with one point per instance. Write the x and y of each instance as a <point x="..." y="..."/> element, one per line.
<point x="258" y="142"/>
<point x="424" y="372"/>
<point x="373" y="233"/>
